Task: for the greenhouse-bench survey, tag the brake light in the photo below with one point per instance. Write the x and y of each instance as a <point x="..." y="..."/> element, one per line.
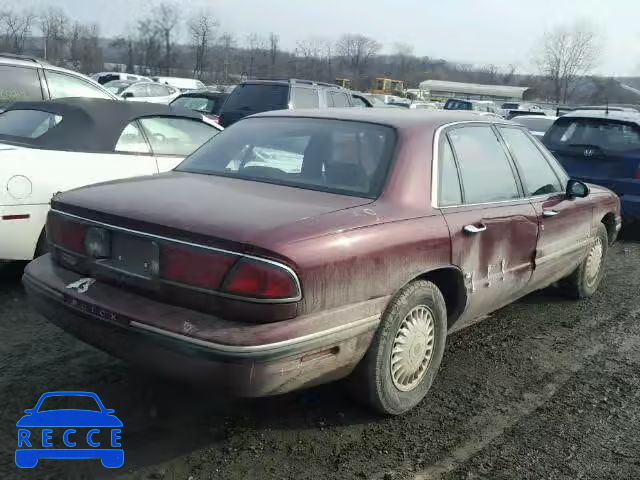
<point x="255" y="279"/>
<point x="188" y="266"/>
<point x="67" y="234"/>
<point x="636" y="174"/>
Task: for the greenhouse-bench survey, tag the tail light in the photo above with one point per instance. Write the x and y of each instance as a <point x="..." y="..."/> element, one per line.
<point x="263" y="280"/>
<point x="67" y="234"/>
<point x="636" y="174"/>
<point x="203" y="269"/>
<point x="211" y="119"/>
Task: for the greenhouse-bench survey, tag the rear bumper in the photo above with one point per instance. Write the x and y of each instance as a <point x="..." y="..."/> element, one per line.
<point x="253" y="360"/>
<point x="19" y="237"/>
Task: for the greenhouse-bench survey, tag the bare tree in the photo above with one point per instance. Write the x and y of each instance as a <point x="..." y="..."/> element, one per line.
<point x="225" y="49"/>
<point x="356" y="51"/>
<point x="85" y="53"/>
<point x="274" y="48"/>
<point x="256" y="46"/>
<point x="150" y="45"/>
<point x="54" y="27"/>
<point x="128" y="46"/>
<point x="202" y="28"/>
<point x="17" y="28"/>
<point x="313" y="58"/>
<point x="166" y="20"/>
<point x="567" y="52"/>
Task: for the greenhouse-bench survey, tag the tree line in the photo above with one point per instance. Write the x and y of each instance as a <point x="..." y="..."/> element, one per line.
<point x="155" y="45"/>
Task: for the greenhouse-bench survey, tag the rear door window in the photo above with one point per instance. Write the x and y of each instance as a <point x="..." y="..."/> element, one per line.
<point x="62" y="85"/>
<point x="19" y="83"/>
<point x="256" y="97"/>
<point x="305" y="97"/>
<point x="176" y="136"/>
<point x="539" y="177"/>
<point x="27" y="123"/>
<point x="485" y="168"/>
<point x="338" y="99"/>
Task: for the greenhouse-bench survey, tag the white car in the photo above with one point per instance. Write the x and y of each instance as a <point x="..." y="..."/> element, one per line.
<point x="105" y="77"/>
<point x="183" y="84"/>
<point x="49" y="147"/>
<point x="135" y="91"/>
<point x="536" y="124"/>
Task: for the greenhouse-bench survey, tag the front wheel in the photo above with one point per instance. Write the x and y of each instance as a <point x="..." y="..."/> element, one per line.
<point x="584" y="281"/>
<point x="405" y="354"/>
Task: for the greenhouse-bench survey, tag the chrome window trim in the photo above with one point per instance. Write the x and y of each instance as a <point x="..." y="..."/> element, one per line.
<point x="435" y="172"/>
<point x="138" y="233"/>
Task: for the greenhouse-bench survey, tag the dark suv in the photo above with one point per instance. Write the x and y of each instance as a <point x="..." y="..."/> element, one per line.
<point x="27" y="78"/>
<point x="601" y="147"/>
<point x="255" y="96"/>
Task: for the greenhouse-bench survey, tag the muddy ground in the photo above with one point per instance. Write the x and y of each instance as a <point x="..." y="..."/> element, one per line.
<point x="544" y="389"/>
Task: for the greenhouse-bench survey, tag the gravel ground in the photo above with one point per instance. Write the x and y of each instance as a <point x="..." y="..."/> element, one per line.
<point x="546" y="388"/>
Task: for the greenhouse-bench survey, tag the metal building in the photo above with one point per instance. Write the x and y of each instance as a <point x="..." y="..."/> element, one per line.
<point x="442" y="90"/>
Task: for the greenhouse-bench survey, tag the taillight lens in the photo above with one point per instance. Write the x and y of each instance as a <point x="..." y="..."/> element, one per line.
<point x="202" y="269"/>
<point x="255" y="279"/>
<point x="636" y="174"/>
<point x="67" y="234"/>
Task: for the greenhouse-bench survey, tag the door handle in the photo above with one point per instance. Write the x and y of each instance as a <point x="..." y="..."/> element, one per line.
<point x="474" y="229"/>
<point x="550" y="213"/>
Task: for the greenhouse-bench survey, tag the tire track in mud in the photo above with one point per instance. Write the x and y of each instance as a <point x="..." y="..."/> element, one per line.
<point x="491" y="424"/>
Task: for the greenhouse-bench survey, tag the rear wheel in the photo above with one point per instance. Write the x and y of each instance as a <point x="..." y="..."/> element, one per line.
<point x="584" y="281"/>
<point x="405" y="354"/>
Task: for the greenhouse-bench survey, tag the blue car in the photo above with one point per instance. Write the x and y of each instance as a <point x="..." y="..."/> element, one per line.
<point x="601" y="147"/>
<point x="31" y="448"/>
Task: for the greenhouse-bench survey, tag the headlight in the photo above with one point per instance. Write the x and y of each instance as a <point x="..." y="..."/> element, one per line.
<point x="97" y="243"/>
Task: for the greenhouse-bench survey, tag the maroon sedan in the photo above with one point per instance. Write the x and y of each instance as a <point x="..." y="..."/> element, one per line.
<point x="297" y="248"/>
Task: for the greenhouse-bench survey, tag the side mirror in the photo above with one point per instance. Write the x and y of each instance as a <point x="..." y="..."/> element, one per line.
<point x="126" y="95"/>
<point x="577" y="189"/>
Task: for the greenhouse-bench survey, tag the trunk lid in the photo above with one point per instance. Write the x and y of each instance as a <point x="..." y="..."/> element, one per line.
<point x="232" y="210"/>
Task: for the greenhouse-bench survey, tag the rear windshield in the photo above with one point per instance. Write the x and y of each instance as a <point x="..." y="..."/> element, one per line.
<point x="255" y="98"/>
<point x="510" y="106"/>
<point x="27" y="123"/>
<point x="200" y="104"/>
<point x="605" y="134"/>
<point x="351" y="158"/>
<point x="457" y="105"/>
<point x="537" y="124"/>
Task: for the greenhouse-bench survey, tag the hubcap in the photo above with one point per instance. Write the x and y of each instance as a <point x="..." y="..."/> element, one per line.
<point x="412" y="348"/>
<point x="594" y="261"/>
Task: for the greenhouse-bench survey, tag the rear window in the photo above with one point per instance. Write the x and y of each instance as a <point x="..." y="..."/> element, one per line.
<point x="608" y="135"/>
<point x="457" y="105"/>
<point x="254" y="97"/>
<point x="336" y="156"/>
<point x="27" y="123"/>
<point x="510" y="106"/>
<point x="537" y="124"/>
<point x="199" y="104"/>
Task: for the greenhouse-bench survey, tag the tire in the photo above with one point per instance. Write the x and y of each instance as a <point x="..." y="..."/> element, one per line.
<point x="584" y="281"/>
<point x="409" y="316"/>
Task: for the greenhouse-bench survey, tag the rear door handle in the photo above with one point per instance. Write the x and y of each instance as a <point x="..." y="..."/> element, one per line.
<point x="474" y="229"/>
<point x="550" y="213"/>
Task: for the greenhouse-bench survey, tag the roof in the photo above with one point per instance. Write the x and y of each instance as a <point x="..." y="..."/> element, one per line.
<point x="90" y="125"/>
<point x="474" y="88"/>
<point x="392" y="117"/>
<point x="621" y="116"/>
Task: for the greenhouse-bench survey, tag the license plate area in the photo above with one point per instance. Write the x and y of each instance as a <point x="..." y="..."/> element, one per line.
<point x="132" y="255"/>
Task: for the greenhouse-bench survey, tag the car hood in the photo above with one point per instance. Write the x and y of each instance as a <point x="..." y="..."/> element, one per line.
<point x="239" y="211"/>
<point x="69" y="418"/>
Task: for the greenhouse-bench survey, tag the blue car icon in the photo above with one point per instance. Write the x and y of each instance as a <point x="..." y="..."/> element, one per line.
<point x="31" y="448"/>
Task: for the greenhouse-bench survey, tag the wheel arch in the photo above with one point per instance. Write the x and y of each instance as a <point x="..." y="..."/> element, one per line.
<point x="609" y="221"/>
<point x="450" y="281"/>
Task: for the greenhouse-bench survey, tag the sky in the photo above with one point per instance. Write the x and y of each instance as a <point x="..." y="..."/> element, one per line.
<point x="499" y="32"/>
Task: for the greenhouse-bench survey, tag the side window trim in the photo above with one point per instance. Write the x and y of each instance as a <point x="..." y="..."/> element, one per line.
<point x="512" y="161"/>
<point x="517" y="166"/>
<point x="444" y="140"/>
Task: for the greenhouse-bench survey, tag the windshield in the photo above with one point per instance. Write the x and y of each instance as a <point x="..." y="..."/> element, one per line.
<point x="605" y="134"/>
<point x="329" y="155"/>
<point x="458" y="105"/>
<point x="536" y="124"/>
<point x="257" y="97"/>
<point x="510" y="106"/>
<point x="66" y="402"/>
